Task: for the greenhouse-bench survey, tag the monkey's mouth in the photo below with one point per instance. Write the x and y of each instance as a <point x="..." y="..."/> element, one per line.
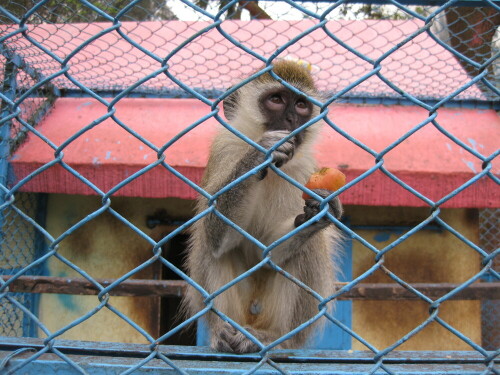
<point x="299" y="138"/>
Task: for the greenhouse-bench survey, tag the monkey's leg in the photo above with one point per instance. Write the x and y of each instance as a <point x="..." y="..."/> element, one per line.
<point x="266" y="315"/>
<point x="226" y="338"/>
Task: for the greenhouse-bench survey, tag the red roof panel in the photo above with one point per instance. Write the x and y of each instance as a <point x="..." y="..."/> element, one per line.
<point x="106" y="153"/>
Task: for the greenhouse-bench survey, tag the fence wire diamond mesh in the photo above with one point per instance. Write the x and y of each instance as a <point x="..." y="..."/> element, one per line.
<point x="421" y="55"/>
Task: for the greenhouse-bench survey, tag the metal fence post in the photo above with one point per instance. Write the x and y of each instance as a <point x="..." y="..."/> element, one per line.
<point x="9" y="90"/>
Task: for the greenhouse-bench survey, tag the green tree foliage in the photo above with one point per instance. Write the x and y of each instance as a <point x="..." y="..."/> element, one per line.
<point x="73" y="11"/>
<point x="235" y="10"/>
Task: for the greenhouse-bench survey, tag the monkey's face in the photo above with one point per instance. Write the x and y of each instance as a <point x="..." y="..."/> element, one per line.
<point x="282" y="109"/>
<point x="264" y="104"/>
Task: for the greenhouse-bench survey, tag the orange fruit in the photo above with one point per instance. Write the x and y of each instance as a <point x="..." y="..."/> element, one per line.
<point x="326" y="178"/>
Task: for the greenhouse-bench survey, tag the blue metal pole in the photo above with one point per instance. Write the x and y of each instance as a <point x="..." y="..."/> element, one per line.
<point x="9" y="92"/>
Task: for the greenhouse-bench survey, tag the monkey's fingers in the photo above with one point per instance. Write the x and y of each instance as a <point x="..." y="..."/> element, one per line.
<point x="244" y="344"/>
<point x="222" y="346"/>
<point x="223" y="340"/>
<point x="299" y="220"/>
<point x="280" y="159"/>
<point x="335" y="204"/>
<point x="284" y="153"/>
<point x="312" y="208"/>
<point x="229" y="339"/>
<point x="336" y="208"/>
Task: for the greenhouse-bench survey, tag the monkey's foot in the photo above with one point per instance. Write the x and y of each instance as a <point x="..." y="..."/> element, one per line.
<point x="312" y="208"/>
<point x="229" y="340"/>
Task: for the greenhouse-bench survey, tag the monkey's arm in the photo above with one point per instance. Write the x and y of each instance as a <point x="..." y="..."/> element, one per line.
<point x="286" y="250"/>
<point x="236" y="203"/>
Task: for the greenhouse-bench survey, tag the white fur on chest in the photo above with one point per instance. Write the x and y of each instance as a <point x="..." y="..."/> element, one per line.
<point x="275" y="201"/>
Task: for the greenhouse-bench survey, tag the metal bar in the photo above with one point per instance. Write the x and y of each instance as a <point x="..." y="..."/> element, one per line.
<point x="126" y="350"/>
<point x="215" y="93"/>
<point x="49" y="91"/>
<point x="51" y="364"/>
<point x="81" y="286"/>
<point x="176" y="288"/>
<point x="9" y="90"/>
<point x="117" y="358"/>
<point x="474" y="3"/>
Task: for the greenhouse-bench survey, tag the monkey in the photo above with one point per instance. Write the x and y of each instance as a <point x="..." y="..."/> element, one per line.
<point x="266" y="206"/>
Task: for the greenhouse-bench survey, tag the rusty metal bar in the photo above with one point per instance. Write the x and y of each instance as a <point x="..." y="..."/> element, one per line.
<point x="176" y="288"/>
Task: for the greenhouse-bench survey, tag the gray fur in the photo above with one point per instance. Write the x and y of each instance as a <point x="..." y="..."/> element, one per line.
<point x="267" y="207"/>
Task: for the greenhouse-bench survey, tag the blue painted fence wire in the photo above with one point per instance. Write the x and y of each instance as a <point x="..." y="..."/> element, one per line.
<point x="37" y="68"/>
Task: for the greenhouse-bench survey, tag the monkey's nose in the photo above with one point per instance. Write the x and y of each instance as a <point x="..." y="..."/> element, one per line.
<point x="289" y="122"/>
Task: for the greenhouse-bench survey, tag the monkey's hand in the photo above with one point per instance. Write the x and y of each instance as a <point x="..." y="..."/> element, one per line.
<point x="284" y="152"/>
<point x="312" y="208"/>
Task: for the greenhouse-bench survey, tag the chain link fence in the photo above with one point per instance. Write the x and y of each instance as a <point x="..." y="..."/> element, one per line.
<point x="19" y="250"/>
<point x="430" y="55"/>
<point x="489" y="224"/>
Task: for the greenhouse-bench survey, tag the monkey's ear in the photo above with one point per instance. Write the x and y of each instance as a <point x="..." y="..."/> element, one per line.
<point x="230" y="104"/>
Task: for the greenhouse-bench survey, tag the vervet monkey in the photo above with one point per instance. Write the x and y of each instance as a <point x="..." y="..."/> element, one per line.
<point x="266" y="206"/>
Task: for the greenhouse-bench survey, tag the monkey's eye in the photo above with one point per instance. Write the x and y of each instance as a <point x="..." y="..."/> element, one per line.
<point x="301" y="104"/>
<point x="302" y="107"/>
<point x="276" y="99"/>
<point x="275" y="102"/>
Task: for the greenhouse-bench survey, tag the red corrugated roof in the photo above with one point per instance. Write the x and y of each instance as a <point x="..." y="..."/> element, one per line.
<point x="106" y="154"/>
<point x="421" y="67"/>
